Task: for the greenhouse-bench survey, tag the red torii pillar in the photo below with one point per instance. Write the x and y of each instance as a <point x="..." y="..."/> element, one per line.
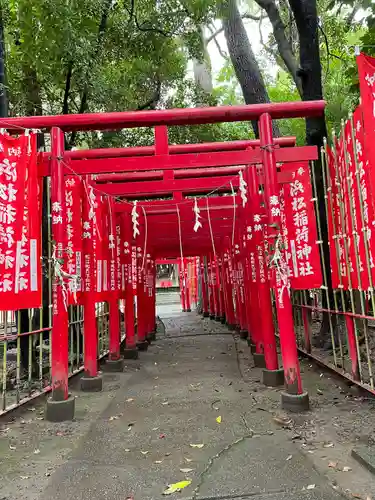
<point x="115" y="362"/>
<point x="186" y="286"/>
<point x="182" y="286"/>
<point x="203" y="281"/>
<point x="60" y="406"/>
<point x="142" y="343"/>
<point x="129" y="348"/>
<point x="228" y="285"/>
<point x="293" y="398"/>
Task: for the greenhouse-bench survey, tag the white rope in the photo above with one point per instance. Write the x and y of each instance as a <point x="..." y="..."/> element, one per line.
<point x="61" y="275"/>
<point x="135" y="222"/>
<point x="209" y="223"/>
<point x="242" y="188"/>
<point x="281" y="268"/>
<point x="196" y="210"/>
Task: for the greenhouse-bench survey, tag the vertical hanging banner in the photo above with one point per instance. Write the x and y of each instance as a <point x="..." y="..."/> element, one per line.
<point x="20" y="223"/>
<point x="354" y="215"/>
<point x="300" y="234"/>
<point x="89" y="234"/>
<point x="121" y="269"/>
<point x="347" y="220"/>
<point x="73" y="201"/>
<point x="112" y="248"/>
<point x="101" y="248"/>
<point x="366" y="74"/>
<point x="336" y="249"/>
<point x="366" y="193"/>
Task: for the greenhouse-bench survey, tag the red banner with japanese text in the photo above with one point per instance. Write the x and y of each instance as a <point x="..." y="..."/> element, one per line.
<point x="366" y="74"/>
<point x="113" y="287"/>
<point x="335" y="229"/>
<point x="300" y="233"/>
<point x="89" y="234"/>
<point x="20" y="223"/>
<point x="356" y="240"/>
<point x="73" y="203"/>
<point x="350" y="210"/>
<point x="366" y="192"/>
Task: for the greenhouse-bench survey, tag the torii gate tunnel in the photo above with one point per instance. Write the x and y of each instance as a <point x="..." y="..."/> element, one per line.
<point x="219" y="210"/>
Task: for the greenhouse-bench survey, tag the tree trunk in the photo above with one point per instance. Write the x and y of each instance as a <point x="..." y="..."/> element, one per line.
<point x="284" y="47"/>
<point x="243" y="59"/>
<point x="3" y="80"/>
<point x="202" y="68"/>
<point x="306" y="18"/>
<point x="85" y="94"/>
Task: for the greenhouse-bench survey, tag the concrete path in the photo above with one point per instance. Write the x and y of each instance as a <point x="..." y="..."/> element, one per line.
<point x="158" y="423"/>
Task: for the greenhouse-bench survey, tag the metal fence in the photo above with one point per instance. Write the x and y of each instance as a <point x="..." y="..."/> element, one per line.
<point x="25" y="351"/>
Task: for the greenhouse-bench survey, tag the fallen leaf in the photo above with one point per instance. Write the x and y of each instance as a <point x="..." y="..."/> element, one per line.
<point x="289" y="458"/>
<point x="218" y="420"/>
<point x="310" y="487"/>
<point x="332" y="465"/>
<point x="188" y="459"/>
<point x="144" y="452"/>
<point x="155" y="428"/>
<point x="328" y="445"/>
<point x="283" y="421"/>
<point x="173" y="488"/>
<point x="129" y="400"/>
<point x="37" y="451"/>
<point x="185" y="471"/>
<point x="196" y="445"/>
<point x="346" y="469"/>
<point x="158" y="462"/>
<point x="11" y="447"/>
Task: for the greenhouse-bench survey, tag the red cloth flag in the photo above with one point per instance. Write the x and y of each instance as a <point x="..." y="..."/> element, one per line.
<point x="20" y="223"/>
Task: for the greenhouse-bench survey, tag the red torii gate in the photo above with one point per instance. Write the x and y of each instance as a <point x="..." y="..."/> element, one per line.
<point x="61" y="405"/>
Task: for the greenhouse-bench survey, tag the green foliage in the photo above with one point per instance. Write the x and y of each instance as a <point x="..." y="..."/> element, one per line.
<point x="126" y="55"/>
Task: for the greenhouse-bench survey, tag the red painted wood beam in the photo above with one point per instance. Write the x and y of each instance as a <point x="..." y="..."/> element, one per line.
<point x="283" y="176"/>
<point x="169" y="206"/>
<point x="166" y="261"/>
<point x="182" y="116"/>
<point x="184" y="161"/>
<point x="204" y="147"/>
<point x="136" y="190"/>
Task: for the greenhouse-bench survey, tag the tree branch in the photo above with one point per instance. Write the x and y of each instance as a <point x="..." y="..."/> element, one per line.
<point x="152" y="103"/>
<point x="220" y="30"/>
<point x="143" y="26"/>
<point x="65" y="107"/>
<point x="283" y="45"/>
<point x="85" y="93"/>
<point x="213" y="38"/>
